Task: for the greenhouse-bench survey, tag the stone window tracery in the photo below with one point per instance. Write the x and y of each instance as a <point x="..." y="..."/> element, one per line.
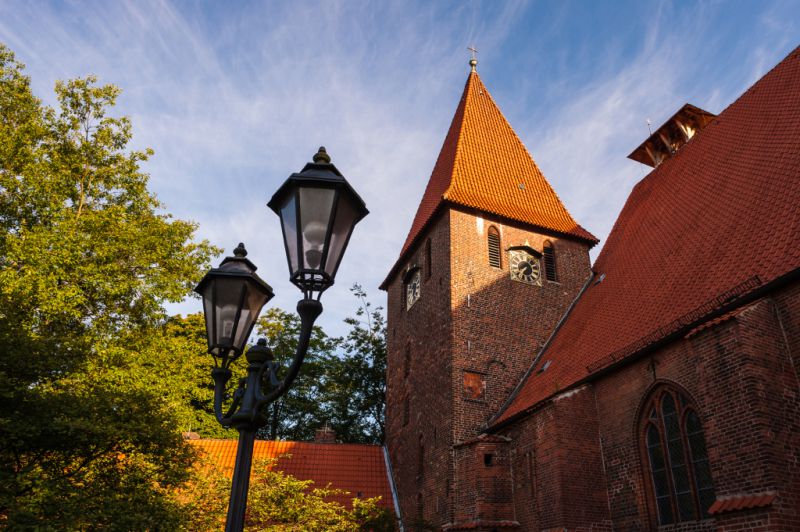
<point x="675" y="458"/>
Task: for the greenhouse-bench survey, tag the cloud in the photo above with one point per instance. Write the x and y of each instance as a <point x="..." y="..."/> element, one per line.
<point x="235" y="97"/>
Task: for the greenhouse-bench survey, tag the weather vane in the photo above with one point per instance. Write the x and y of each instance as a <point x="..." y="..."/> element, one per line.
<point x="474" y="61"/>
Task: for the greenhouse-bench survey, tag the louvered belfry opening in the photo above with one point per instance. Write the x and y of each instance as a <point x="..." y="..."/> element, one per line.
<point x="549" y="253"/>
<point x="494" y="247"/>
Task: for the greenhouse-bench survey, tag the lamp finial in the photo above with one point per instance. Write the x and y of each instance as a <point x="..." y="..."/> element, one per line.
<point x="322" y="156"/>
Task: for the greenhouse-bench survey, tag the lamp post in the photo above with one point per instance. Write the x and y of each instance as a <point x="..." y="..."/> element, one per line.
<point x="318" y="210"/>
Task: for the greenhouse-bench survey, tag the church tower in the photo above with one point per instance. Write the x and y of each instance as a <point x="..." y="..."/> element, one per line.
<point x="491" y="263"/>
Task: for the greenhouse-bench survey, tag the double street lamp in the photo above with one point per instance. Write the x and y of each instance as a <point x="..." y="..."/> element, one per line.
<point x="318" y="210"/>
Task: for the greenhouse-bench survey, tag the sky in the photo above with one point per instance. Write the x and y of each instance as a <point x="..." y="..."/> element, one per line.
<point x="235" y="96"/>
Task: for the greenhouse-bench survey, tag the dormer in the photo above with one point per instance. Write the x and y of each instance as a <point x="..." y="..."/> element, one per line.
<point x="672" y="135"/>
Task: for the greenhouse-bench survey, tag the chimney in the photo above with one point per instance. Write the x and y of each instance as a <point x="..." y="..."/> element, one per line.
<point x="672" y="135"/>
<point x="325" y="435"/>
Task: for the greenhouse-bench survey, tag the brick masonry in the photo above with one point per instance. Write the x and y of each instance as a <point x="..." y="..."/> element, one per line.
<point x="568" y="453"/>
<point x="740" y="374"/>
<point x="471" y="317"/>
<point x="576" y="462"/>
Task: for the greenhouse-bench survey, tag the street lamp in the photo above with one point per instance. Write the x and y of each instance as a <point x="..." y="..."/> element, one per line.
<point x="318" y="211"/>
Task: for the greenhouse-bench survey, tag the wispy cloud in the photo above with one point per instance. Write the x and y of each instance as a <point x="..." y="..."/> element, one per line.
<point x="235" y="97"/>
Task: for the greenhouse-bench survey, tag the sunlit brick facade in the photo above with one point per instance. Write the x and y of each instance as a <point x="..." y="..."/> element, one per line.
<point x="656" y="389"/>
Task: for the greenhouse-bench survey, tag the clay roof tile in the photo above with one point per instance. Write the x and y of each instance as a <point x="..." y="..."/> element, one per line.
<point x="716" y="221"/>
<point x="484" y="165"/>
<point x="351" y="467"/>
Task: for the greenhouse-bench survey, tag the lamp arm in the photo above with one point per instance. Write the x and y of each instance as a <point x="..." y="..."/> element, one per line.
<point x="309" y="310"/>
<point x="221" y="377"/>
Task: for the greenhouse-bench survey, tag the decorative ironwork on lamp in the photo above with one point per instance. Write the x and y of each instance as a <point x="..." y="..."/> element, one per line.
<point x="318" y="210"/>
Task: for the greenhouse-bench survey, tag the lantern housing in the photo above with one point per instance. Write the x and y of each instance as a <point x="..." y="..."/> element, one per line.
<point x="233" y="296"/>
<point x="318" y="210"/>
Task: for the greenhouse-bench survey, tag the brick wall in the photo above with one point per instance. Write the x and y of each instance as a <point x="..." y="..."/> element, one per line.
<point x="741" y="376"/>
<point x="482" y="492"/>
<point x="557" y="466"/>
<point x="576" y="463"/>
<point x="418" y="377"/>
<point x="750" y="390"/>
<point x="471" y="317"/>
<point x="499" y="324"/>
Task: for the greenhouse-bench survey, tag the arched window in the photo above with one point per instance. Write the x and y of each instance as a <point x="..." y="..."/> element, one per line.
<point x="494" y="247"/>
<point x="550" y="271"/>
<point x="676" y="465"/>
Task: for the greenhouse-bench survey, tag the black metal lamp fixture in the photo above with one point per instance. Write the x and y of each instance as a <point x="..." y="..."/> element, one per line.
<point x="233" y="296"/>
<point x="318" y="211"/>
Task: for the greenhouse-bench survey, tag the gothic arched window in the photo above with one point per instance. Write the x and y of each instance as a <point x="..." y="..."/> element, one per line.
<point x="493" y="241"/>
<point x="549" y="252"/>
<point x="677" y="467"/>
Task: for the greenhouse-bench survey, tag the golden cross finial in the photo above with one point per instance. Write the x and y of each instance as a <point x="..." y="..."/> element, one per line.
<point x="473" y="62"/>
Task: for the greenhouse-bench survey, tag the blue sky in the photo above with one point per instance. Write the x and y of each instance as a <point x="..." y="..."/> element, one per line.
<point x="235" y="96"/>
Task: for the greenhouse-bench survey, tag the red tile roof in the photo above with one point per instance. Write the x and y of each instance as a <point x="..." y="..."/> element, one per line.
<point x="741" y="502"/>
<point x="484" y="165"/>
<point x="718" y="220"/>
<point x="355" y="468"/>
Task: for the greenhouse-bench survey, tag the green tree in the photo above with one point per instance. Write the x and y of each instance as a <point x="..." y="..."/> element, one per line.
<point x="87" y="260"/>
<point x="342" y="382"/>
<point x="177" y="351"/>
<point x="354" y="394"/>
<point x="297" y="414"/>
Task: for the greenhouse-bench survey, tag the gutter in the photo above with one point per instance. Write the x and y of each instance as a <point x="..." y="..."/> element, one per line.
<point x="393" y="487"/>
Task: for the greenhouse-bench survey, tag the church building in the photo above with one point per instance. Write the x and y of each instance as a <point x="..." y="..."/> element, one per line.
<point x="655" y="389"/>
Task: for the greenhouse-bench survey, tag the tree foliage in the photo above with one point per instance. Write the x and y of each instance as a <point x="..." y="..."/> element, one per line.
<point x="297" y="414"/>
<point x="277" y="501"/>
<point x="341" y="383"/>
<point x="356" y="387"/>
<point x="87" y="259"/>
<point x="96" y="384"/>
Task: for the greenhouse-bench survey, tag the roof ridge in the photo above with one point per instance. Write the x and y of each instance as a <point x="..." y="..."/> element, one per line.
<point x="459" y="145"/>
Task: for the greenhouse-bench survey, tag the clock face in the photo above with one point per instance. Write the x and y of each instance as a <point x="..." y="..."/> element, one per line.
<point x="524" y="267"/>
<point x="412" y="289"/>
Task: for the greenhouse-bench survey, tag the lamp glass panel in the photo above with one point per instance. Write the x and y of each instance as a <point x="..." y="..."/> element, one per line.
<point x="253" y="303"/>
<point x="346" y="216"/>
<point x="289" y="222"/>
<point x="315" y="213"/>
<point x="229" y="293"/>
<point x="208" y="312"/>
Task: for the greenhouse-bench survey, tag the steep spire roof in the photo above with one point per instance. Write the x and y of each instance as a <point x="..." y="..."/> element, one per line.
<point x="484" y="165"/>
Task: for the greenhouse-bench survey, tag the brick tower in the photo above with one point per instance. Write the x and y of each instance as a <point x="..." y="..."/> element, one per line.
<point x="491" y="263"/>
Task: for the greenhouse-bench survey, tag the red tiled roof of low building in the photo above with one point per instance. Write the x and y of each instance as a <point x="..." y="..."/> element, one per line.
<point x="719" y="219"/>
<point x="356" y="468"/>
